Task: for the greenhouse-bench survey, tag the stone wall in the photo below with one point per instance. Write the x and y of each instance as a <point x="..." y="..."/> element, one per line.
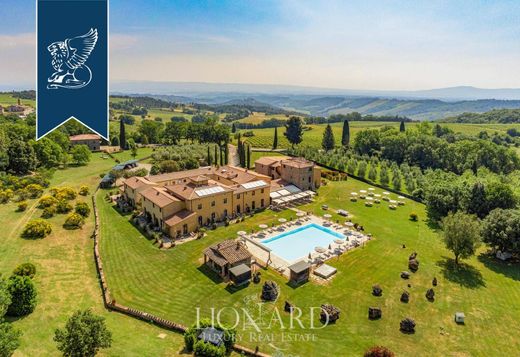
<point x="111" y="304"/>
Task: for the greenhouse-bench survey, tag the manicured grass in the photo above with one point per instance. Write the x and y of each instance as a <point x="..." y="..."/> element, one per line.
<point x="173" y="284"/>
<point x="66" y="277"/>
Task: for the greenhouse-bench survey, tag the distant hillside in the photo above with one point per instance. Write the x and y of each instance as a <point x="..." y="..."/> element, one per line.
<point x="417" y="109"/>
<point x="496" y="116"/>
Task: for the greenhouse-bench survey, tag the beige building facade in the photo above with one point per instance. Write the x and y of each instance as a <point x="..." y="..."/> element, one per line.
<point x="304" y="174"/>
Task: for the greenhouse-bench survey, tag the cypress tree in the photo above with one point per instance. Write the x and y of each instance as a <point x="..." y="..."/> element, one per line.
<point x="328" y="141"/>
<point x="216" y="154"/>
<point x="209" y="157"/>
<point x="275" y="140"/>
<point x="226" y="154"/>
<point x="401" y="127"/>
<point x="122" y="135"/>
<point x="345" y="135"/>
<point x="233" y="128"/>
<point x="248" y="156"/>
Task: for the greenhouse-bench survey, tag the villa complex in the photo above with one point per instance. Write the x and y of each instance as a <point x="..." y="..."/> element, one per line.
<point x="93" y="141"/>
<point x="179" y="203"/>
<point x="302" y="173"/>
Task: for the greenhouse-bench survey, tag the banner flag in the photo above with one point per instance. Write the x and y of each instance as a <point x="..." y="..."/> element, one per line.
<point x="72" y="64"/>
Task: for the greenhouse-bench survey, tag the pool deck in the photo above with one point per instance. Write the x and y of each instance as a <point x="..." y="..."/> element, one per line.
<point x="264" y="254"/>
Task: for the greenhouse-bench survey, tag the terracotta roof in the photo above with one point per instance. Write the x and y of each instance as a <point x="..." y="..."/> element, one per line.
<point x="189" y="190"/>
<point x="85" y="137"/>
<point x="270" y="160"/>
<point x="297" y="162"/>
<point x="158" y="196"/>
<point x="199" y="178"/>
<point x="181" y="174"/>
<point x="227" y="252"/>
<point x="136" y="181"/>
<point x="179" y="217"/>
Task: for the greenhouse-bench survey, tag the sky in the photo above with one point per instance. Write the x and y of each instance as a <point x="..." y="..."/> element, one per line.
<point x="369" y="45"/>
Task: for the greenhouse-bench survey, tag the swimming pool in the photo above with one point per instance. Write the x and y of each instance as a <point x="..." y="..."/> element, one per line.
<point x="299" y="242"/>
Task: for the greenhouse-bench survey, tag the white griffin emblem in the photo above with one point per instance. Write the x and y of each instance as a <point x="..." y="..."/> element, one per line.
<point x="68" y="61"/>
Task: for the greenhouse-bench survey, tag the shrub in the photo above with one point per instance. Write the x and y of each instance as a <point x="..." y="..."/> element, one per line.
<point x="37" y="228"/>
<point x="25" y="269"/>
<point x="82" y="209"/>
<point x="6" y="195"/>
<point x="22" y="206"/>
<point x="9" y="338"/>
<point x="84" y="190"/>
<point x="63" y="193"/>
<point x="34" y="190"/>
<point x="201" y="348"/>
<point x="74" y="221"/>
<point x="413" y="217"/>
<point x="47" y="201"/>
<point x="49" y="212"/>
<point x="378" y="351"/>
<point x="63" y="207"/>
<point x="23" y="295"/>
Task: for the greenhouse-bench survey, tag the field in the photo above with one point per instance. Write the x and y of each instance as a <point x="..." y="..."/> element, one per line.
<point x="174" y="283"/>
<point x="263" y="138"/>
<point x="258" y="117"/>
<point x="8" y="99"/>
<point x="66" y="277"/>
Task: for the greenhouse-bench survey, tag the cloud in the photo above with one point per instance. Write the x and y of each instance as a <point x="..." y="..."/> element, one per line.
<point x="21" y="40"/>
<point x="120" y="41"/>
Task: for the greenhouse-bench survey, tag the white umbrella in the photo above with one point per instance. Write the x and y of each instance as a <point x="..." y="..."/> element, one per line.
<point x="371" y="189"/>
<point x="301" y="214"/>
<point x="377" y="195"/>
<point x="263" y="226"/>
<point x="241" y="233"/>
<point x="353" y="193"/>
<point x="282" y="220"/>
<point x="327" y="215"/>
<point x="401" y="197"/>
<point x="386" y="193"/>
<point x="370" y="198"/>
<point x="320" y="249"/>
<point x="363" y="191"/>
<point x="339" y="241"/>
<point x="349" y="224"/>
<point x="393" y="201"/>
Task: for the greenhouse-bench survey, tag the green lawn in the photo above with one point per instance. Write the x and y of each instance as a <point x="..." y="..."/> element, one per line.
<point x="172" y="284"/>
<point x="66" y="277"/>
<point x="7" y="99"/>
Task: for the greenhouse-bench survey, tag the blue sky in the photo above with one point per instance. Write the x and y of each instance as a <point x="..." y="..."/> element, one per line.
<point x="335" y="44"/>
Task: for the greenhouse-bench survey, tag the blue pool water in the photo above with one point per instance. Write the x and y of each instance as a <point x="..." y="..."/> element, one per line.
<point x="299" y="242"/>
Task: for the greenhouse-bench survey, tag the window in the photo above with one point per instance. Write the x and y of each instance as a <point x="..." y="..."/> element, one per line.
<point x="238" y="208"/>
<point x="253" y="205"/>
<point x="225" y="213"/>
<point x="185" y="229"/>
<point x="309" y="179"/>
<point x="262" y="190"/>
<point x="199" y="206"/>
<point x="200" y="220"/>
<point x="254" y="193"/>
<point x="212" y="203"/>
<point x="238" y="196"/>
<point x="262" y="202"/>
<point x="225" y="200"/>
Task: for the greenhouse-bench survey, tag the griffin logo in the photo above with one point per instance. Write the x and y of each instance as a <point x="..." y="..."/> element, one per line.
<point x="68" y="60"/>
